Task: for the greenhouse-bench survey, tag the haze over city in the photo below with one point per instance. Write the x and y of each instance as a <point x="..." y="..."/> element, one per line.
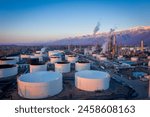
<point x="38" y="20"/>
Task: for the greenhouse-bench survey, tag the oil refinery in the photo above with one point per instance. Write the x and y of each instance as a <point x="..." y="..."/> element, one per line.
<point x="107" y="71"/>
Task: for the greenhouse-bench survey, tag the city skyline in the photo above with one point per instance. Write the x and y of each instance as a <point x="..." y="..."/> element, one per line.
<point x="37" y="20"/>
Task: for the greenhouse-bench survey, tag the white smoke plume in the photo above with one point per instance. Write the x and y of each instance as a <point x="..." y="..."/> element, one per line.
<point x="107" y="40"/>
<point x="96" y="29"/>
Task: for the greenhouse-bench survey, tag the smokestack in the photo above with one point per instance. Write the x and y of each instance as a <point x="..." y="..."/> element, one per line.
<point x="114" y="45"/>
<point x="142" y="45"/>
<point x="96" y="29"/>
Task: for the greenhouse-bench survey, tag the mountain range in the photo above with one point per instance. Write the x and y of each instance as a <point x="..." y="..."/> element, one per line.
<point x="130" y="37"/>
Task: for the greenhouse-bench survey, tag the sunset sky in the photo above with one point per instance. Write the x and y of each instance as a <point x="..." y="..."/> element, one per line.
<point x="42" y="20"/>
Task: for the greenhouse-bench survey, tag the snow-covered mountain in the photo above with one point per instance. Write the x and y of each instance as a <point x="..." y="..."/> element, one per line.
<point x="131" y="36"/>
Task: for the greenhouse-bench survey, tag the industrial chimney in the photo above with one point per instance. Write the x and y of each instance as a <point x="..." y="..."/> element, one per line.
<point x="142" y="45"/>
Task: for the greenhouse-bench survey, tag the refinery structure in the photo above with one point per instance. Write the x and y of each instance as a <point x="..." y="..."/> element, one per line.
<point x="106" y="71"/>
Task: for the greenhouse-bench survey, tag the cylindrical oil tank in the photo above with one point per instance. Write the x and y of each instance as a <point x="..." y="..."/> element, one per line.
<point x="134" y="59"/>
<point x="39" y="85"/>
<point x="120" y="57"/>
<point x="17" y="58"/>
<point x="82" y="65"/>
<point x="54" y="59"/>
<point x="25" y="56"/>
<point x="38" y="67"/>
<point x="72" y="58"/>
<point x="92" y="80"/>
<point x="66" y="56"/>
<point x="94" y="55"/>
<point x="40" y="56"/>
<point x="55" y="52"/>
<point x="7" y="61"/>
<point x="33" y="60"/>
<point x="51" y="53"/>
<point x="7" y="70"/>
<point x="38" y="52"/>
<point x="62" y="67"/>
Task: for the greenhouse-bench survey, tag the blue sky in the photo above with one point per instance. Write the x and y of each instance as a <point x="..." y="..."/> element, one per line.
<point x="42" y="20"/>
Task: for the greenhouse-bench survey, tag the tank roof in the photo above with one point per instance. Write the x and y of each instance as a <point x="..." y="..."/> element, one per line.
<point x="6" y="66"/>
<point x="39" y="77"/>
<point x="93" y="74"/>
<point x="54" y="57"/>
<point x="63" y="62"/>
<point x="6" y="59"/>
<point x="37" y="63"/>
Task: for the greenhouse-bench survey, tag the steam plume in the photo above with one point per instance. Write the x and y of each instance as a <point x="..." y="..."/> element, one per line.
<point x="96" y="29"/>
<point x="107" y="40"/>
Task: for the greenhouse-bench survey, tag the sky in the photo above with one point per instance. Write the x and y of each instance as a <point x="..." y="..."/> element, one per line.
<point x="48" y="20"/>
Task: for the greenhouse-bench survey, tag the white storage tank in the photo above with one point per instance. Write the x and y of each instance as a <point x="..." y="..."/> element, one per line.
<point x="54" y="59"/>
<point x="7" y="61"/>
<point x="92" y="80"/>
<point x="38" y="52"/>
<point x="134" y="59"/>
<point x="62" y="67"/>
<point x="72" y="58"/>
<point x="120" y="57"/>
<point x="33" y="60"/>
<point x="66" y="56"/>
<point x="39" y="85"/>
<point x="17" y="58"/>
<point x="7" y="70"/>
<point x="33" y="57"/>
<point x="94" y="55"/>
<point x="51" y="53"/>
<point x="82" y="65"/>
<point x="38" y="67"/>
<point x="40" y="56"/>
<point x="54" y="53"/>
<point x="25" y="56"/>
